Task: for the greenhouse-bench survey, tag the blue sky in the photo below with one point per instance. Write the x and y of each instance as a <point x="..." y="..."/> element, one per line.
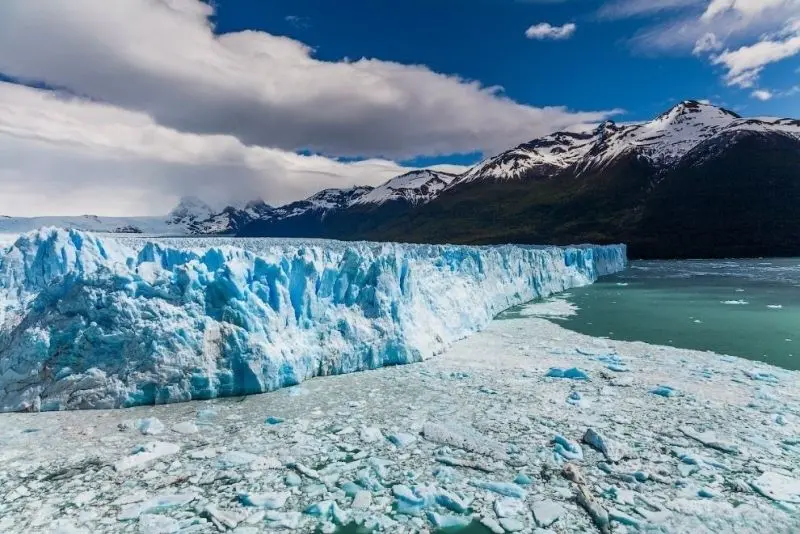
<point x="599" y="67"/>
<point x="245" y="98"/>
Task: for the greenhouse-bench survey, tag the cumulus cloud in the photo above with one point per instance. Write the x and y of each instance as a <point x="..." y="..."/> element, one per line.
<point x="545" y="30"/>
<point x="761" y="94"/>
<point x="64" y="155"/>
<point x="745" y="64"/>
<point x="162" y="58"/>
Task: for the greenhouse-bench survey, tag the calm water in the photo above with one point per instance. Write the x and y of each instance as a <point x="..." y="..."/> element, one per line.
<point x="747" y="308"/>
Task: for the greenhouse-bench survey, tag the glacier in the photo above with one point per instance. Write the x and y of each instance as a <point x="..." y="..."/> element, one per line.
<point x="90" y="322"/>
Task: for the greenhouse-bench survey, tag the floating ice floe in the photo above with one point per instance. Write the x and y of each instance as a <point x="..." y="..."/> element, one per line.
<point x="145" y="454"/>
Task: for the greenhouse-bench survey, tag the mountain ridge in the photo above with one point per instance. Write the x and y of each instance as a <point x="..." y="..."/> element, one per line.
<point x="603" y="185"/>
<point x="606" y="184"/>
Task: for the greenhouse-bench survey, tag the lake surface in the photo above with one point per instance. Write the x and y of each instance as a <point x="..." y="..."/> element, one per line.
<point x="747" y="308"/>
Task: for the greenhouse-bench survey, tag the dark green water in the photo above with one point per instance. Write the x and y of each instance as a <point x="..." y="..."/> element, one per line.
<point x="730" y="307"/>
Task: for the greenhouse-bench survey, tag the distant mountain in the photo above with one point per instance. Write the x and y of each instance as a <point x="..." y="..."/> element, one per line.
<point x="180" y="221"/>
<point x="231" y="219"/>
<point x="189" y="211"/>
<point x="342" y="212"/>
<point x="415" y="187"/>
<point x="696" y="181"/>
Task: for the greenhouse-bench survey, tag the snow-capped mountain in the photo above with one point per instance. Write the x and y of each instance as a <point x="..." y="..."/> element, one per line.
<point x="231" y="219"/>
<point x="415" y="187"/>
<point x="322" y="202"/>
<point x="662" y="142"/>
<point x="190" y="210"/>
<point x="543" y="157"/>
<point x="180" y="221"/>
<point x="697" y="181"/>
<point x="616" y="182"/>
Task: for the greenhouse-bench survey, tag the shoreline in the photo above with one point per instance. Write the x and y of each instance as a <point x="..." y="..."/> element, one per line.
<point x="355" y="439"/>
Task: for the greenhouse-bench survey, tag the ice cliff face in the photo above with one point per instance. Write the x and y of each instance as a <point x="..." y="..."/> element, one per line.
<point x="89" y="322"/>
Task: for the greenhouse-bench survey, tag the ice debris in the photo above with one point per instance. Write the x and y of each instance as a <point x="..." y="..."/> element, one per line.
<point x="664" y="391"/>
<point x="150" y="426"/>
<point x="187" y="427"/>
<point x="156" y="504"/>
<point x="145" y="454"/>
<point x="567" y="449"/>
<point x="507" y="489"/>
<point x="463" y="437"/>
<point x="603" y="444"/>
<point x="546" y="512"/>
<point x="573" y="373"/>
<point x="270" y="501"/>
<point x="778" y="487"/>
<point x="401" y="440"/>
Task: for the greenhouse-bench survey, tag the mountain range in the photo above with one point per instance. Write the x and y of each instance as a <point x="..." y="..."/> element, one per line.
<point x="696" y="181"/>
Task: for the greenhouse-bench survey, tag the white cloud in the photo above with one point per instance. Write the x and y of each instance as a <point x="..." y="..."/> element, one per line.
<point x="732" y="22"/>
<point x="162" y="58"/>
<point x="761" y="94"/>
<point x="750" y="34"/>
<point x="707" y="43"/>
<point x="621" y="9"/>
<point x="747" y="9"/>
<point x="746" y="63"/>
<point x="63" y="155"/>
<point x="545" y="30"/>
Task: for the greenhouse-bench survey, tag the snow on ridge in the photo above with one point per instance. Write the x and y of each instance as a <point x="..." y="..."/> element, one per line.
<point x="95" y="322"/>
<point x="415" y="187"/>
<point x="663" y="141"/>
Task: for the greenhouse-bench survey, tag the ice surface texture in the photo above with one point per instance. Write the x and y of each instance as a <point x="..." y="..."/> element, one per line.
<point x="89" y="322"/>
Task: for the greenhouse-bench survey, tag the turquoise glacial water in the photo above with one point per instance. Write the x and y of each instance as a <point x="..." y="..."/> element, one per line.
<point x="747" y="308"/>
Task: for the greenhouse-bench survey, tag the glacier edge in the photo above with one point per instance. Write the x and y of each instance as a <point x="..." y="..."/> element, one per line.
<point x="90" y="322"/>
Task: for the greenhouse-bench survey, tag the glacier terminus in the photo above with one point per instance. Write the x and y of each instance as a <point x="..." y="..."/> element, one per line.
<point x="89" y="322"/>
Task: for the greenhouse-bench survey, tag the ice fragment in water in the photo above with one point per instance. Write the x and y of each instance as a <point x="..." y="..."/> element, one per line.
<point x="401" y="440"/>
<point x="567" y="449"/>
<point x="371" y="434"/>
<point x="503" y="488"/>
<point x="523" y="480"/>
<point x="664" y="391"/>
<point x="145" y="454"/>
<point x="158" y="524"/>
<point x="163" y="502"/>
<point x="778" y="487"/>
<point x="603" y="444"/>
<point x="150" y="426"/>
<point x="270" y="501"/>
<point x="448" y="522"/>
<point x="572" y="374"/>
<point x="187" y="427"/>
<point x="545" y="513"/>
<point x="463" y="437"/>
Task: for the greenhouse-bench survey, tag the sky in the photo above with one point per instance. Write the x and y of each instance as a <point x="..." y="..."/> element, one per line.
<point x="120" y="108"/>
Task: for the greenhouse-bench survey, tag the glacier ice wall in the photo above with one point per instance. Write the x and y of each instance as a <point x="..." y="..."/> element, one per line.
<point x="94" y="322"/>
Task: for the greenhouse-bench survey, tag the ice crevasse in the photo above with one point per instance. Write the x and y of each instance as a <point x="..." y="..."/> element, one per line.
<point x="98" y="322"/>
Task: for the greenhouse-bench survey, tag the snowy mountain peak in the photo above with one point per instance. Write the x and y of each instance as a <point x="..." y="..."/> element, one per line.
<point x="415" y="187"/>
<point x="190" y="209"/>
